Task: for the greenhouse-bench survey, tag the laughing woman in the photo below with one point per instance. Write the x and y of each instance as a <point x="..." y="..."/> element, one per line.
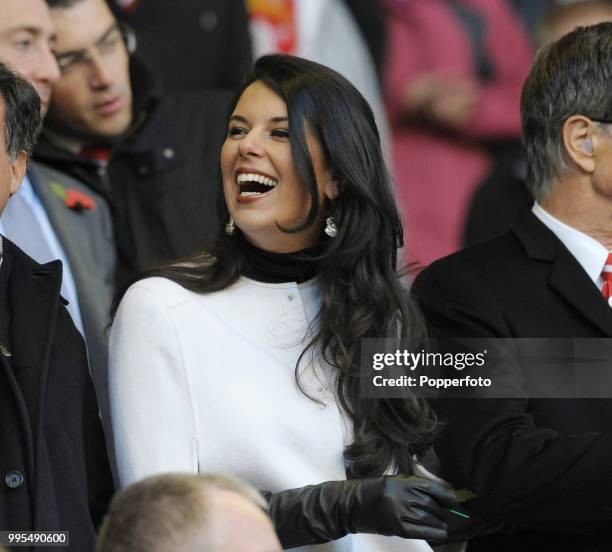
<point x="244" y="359"/>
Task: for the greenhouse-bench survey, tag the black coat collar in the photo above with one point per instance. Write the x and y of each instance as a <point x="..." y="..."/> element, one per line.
<point x="35" y="292"/>
<point x="35" y="296"/>
<point x="566" y="276"/>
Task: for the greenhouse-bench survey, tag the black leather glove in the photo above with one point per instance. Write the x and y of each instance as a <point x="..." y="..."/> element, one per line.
<point x="403" y="506"/>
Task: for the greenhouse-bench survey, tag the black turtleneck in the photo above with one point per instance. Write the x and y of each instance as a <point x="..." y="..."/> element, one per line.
<point x="276" y="268"/>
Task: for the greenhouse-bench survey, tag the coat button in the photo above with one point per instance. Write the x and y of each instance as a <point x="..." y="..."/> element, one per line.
<point x="209" y="20"/>
<point x="290" y="297"/>
<point x="14" y="479"/>
<point x="168" y="153"/>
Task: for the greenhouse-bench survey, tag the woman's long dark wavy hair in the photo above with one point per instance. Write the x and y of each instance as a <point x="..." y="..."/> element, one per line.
<point x="363" y="295"/>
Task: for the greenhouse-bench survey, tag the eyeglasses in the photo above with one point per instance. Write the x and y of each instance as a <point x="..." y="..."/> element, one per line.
<point x="106" y="47"/>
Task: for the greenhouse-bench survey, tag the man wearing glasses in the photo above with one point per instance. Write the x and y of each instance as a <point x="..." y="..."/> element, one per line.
<point x="153" y="156"/>
<point x="540" y="466"/>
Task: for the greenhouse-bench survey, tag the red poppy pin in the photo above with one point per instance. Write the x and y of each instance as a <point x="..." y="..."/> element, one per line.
<point x="128" y="5"/>
<point x="72" y="198"/>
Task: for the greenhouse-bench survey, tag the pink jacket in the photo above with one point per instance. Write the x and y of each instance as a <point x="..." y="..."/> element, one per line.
<point x="436" y="173"/>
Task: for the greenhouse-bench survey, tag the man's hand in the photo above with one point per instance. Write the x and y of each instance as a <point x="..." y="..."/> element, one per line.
<point x="447" y="102"/>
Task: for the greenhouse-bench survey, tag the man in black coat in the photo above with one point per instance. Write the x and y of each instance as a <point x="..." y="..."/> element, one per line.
<point x="539" y="466"/>
<point x="153" y="157"/>
<point x="53" y="466"/>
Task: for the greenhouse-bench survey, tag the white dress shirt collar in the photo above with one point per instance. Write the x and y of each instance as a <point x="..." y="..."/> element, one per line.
<point x="590" y="254"/>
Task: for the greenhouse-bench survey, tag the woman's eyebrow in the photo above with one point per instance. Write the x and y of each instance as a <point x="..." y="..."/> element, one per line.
<point x="242" y="119"/>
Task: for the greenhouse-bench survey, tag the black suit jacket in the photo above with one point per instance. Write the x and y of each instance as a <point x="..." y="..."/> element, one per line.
<point x="540" y="466"/>
<point x="51" y="423"/>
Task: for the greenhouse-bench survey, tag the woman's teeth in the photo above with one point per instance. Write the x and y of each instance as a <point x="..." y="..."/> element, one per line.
<point x="252" y="184"/>
<point x="250" y="177"/>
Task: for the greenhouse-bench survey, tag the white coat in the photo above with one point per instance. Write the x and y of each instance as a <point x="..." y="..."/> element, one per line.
<point x="205" y="383"/>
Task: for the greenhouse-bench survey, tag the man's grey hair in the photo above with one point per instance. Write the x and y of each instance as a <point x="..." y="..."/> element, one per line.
<point x="22" y="118"/>
<point x="168" y="512"/>
<point x="572" y="76"/>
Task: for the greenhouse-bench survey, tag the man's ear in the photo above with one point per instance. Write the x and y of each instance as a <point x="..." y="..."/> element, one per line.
<point x="580" y="141"/>
<point x="18" y="169"/>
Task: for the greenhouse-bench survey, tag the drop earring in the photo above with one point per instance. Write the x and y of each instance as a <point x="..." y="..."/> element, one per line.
<point x="230" y="227"/>
<point x="330" y="227"/>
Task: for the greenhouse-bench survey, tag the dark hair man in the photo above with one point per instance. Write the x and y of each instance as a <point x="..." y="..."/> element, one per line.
<point x="540" y="466"/>
<point x="53" y="466"/>
<point x="191" y="513"/>
<point x="54" y="216"/>
<point x="154" y="157"/>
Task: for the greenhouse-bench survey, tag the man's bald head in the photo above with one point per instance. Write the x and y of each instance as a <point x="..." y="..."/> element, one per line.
<point x="188" y="513"/>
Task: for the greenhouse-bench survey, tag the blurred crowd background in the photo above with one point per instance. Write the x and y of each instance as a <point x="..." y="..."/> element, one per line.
<point x="443" y="78"/>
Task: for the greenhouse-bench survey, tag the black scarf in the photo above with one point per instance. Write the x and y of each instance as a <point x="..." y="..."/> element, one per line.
<point x="276" y="268"/>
